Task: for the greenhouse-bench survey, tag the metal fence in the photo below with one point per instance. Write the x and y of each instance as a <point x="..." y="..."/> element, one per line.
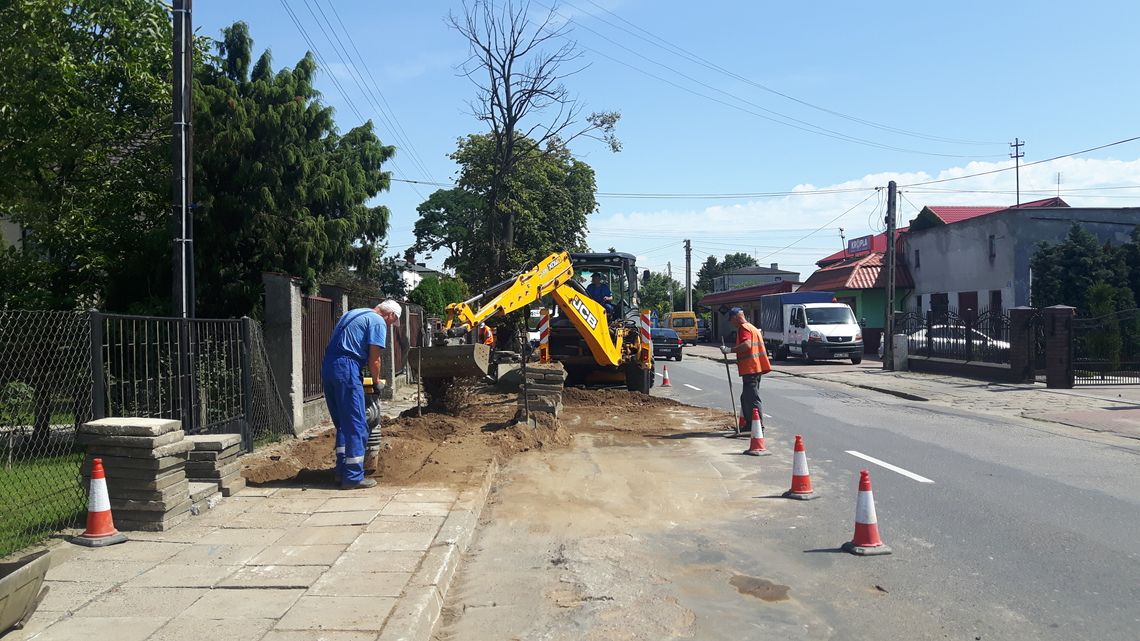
<point x="61" y="369"/>
<point x="1106" y="349"/>
<point x="971" y="336"/>
<point x="317" y="324"/>
<point x="45" y="393"/>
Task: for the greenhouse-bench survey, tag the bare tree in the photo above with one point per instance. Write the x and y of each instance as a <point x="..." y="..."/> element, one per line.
<point x="517" y="65"/>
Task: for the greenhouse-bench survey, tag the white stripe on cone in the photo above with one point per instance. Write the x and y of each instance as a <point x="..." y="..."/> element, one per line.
<point x="100" y="499"/>
<point x="757" y="429"/>
<point x="865" y="509"/>
<point x="799" y="464"/>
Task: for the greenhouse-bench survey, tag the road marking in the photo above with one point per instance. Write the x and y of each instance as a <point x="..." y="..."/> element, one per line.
<point x="691" y="387"/>
<point x="767" y="416"/>
<point x="893" y="468"/>
<point x="658" y="374"/>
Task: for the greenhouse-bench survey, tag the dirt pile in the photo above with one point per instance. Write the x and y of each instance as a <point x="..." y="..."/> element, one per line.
<point x="440" y="448"/>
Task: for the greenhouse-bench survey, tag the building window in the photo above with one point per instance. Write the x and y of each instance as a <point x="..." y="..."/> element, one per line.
<point x="993" y="247"/>
<point x="918" y="303"/>
<point x="917" y="261"/>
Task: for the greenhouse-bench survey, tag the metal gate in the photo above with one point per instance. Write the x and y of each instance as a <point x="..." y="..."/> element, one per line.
<point x="316" y="329"/>
<point x="1106" y="349"/>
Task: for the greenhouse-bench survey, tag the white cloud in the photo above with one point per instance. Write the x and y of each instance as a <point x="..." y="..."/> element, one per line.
<point x="763" y="226"/>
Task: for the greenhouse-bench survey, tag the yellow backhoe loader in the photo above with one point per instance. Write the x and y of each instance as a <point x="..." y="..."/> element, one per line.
<point x="595" y="341"/>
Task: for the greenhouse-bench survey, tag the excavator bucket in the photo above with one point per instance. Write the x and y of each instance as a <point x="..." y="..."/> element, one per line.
<point x="450" y="361"/>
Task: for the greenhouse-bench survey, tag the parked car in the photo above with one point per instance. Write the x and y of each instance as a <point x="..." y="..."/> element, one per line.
<point x="950" y="341"/>
<point x="704" y="331"/>
<point x="666" y="343"/>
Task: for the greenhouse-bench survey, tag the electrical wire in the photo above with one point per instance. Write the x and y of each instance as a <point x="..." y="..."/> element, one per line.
<point x="820" y="228"/>
<point x="691" y="196"/>
<point x="692" y="57"/>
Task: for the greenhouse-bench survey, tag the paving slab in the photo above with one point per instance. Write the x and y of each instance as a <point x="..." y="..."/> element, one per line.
<point x="142" y="602"/>
<point x="217" y="554"/>
<point x="135" y="551"/>
<point x="89" y="570"/>
<point x="298" y="555"/>
<point x="259" y="491"/>
<point x="396" y="508"/>
<point x="288" y="505"/>
<point x="117" y="628"/>
<point x="69" y="596"/>
<point x="362" y="517"/>
<point x="441" y="495"/>
<point x="384" y="523"/>
<point x="129" y="426"/>
<point x="187" y="533"/>
<point x="141" y="442"/>
<point x="263" y="520"/>
<point x="415" y="616"/>
<point x="379" y="561"/>
<point x="324" y="635"/>
<point x="354" y="504"/>
<point x="243" y="604"/>
<point x="321" y="535"/>
<point x="178" y="448"/>
<point x="420" y="541"/>
<point x="184" y="628"/>
<point x="216" y="442"/>
<point x="337" y="613"/>
<point x="171" y="575"/>
<point x="274" y="576"/>
<point x="346" y="582"/>
<point x="243" y="536"/>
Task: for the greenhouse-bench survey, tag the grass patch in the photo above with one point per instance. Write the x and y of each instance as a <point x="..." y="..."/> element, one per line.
<point x="37" y="498"/>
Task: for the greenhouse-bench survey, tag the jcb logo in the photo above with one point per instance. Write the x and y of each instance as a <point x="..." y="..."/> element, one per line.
<point x="549" y="266"/>
<point x="591" y="320"/>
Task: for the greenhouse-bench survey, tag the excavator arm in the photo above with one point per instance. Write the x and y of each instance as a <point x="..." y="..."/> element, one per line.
<point x="554" y="275"/>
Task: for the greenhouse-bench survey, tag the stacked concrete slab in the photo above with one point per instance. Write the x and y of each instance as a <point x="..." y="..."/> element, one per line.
<point x="214" y="459"/>
<point x="145" y="463"/>
<point x="543" y="388"/>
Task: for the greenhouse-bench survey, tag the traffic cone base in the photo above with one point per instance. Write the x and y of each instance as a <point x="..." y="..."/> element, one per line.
<point x="100" y="530"/>
<point x="866" y="541"/>
<point x="756" y="438"/>
<point x="801" y="477"/>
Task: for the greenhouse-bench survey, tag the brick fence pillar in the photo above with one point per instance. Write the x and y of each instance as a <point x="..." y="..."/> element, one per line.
<point x="283" y="334"/>
<point x="1059" y="346"/>
<point x="1021" y="345"/>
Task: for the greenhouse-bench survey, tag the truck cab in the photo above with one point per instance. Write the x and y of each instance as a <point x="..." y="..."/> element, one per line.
<point x="823" y="331"/>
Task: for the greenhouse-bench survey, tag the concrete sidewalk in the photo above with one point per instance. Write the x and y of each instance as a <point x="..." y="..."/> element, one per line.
<point x="272" y="564"/>
<point x="1114" y="409"/>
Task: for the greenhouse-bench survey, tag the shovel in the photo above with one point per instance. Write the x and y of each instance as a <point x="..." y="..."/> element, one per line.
<point x="731" y="394"/>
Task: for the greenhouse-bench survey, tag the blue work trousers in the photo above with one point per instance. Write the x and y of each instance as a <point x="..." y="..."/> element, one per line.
<point x="344" y="395"/>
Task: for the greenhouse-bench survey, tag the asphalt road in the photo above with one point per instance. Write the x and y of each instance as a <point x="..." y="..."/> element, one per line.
<point x="1000" y="530"/>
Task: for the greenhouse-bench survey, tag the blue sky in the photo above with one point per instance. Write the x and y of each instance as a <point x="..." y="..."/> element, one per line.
<point x="1059" y="75"/>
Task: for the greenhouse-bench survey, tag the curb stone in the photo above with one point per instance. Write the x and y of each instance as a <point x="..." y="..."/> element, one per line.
<point x="417" y="612"/>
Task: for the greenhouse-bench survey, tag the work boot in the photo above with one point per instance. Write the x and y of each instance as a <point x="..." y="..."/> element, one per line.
<point x="366" y="483"/>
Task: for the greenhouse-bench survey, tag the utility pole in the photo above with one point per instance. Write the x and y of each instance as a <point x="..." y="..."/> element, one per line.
<point x="1017" y="154"/>
<point x="688" y="276"/>
<point x="892" y="256"/>
<point x="183" y="167"/>
<point x="669" y="269"/>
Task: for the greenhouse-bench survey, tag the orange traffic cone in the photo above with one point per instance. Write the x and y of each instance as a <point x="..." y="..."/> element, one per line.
<point x="665" y="376"/>
<point x="100" y="530"/>
<point x="866" y="541"/>
<point x="801" y="478"/>
<point x="756" y="441"/>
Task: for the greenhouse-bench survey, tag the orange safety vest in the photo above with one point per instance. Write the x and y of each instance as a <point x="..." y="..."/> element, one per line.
<point x="756" y="360"/>
<point x="488" y="336"/>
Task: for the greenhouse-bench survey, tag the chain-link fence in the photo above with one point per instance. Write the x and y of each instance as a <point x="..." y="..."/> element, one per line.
<point x="61" y="369"/>
<point x="45" y="393"/>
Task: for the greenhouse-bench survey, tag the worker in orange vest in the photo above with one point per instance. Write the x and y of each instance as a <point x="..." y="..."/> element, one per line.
<point x="751" y="361"/>
<point x="486" y="335"/>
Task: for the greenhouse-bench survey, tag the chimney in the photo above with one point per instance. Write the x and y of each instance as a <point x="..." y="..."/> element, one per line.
<point x="775" y="265"/>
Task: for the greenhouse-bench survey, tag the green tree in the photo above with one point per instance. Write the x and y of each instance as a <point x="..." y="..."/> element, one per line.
<point x="550" y="196"/>
<point x="84" y="150"/>
<point x="713" y="269"/>
<point x="655" y="293"/>
<point x="1105" y="342"/>
<point x="435" y="294"/>
<point x="277" y="188"/>
<point x="1064" y="273"/>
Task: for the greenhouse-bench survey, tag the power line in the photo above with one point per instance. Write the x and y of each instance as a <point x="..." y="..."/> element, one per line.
<point x="802" y="124"/>
<point x="1028" y="164"/>
<point x="819" y="229"/>
<point x="692" y="57"/>
<point x="693" y="196"/>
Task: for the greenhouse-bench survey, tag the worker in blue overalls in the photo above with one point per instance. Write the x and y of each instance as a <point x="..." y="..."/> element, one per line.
<point x="356" y="342"/>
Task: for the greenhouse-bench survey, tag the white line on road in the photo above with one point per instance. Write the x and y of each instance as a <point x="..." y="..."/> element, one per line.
<point x="692" y="387"/>
<point x="893" y="468"/>
<point x="658" y="374"/>
<point x="767" y="416"/>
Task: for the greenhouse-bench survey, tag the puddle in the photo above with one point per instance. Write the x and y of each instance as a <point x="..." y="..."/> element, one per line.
<point x="760" y="588"/>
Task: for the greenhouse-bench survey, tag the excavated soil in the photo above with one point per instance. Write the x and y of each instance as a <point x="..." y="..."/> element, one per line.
<point x="438" y="448"/>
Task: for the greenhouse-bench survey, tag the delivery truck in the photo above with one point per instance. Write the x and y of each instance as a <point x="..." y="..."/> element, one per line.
<point x="810" y="325"/>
